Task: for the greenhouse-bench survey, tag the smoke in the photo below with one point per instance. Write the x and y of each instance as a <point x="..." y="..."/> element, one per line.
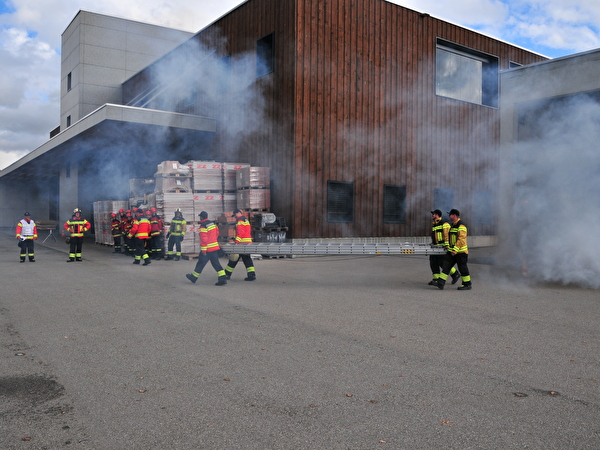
<point x="556" y="192"/>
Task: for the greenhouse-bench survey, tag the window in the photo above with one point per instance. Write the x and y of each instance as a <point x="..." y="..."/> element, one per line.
<point x="224" y="74"/>
<point x="340" y="202"/>
<point x="394" y="204"/>
<point x="443" y="199"/>
<point x="482" y="207"/>
<point x="265" y="61"/>
<point x="69" y="82"/>
<point x="68" y="121"/>
<point x="465" y="74"/>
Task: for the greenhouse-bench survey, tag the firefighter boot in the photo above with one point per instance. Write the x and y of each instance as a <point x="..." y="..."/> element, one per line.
<point x="251" y="276"/>
<point x="228" y="274"/>
<point x="191" y="277"/>
<point x="169" y="258"/>
<point x="222" y="278"/>
<point x="177" y="257"/>
<point x="465" y="287"/>
<point x="147" y="261"/>
<point x="455" y="276"/>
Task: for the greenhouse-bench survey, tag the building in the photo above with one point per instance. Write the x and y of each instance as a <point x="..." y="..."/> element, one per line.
<point x="369" y="115"/>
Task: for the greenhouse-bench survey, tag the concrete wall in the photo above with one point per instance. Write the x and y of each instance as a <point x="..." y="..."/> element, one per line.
<point x="101" y="52"/>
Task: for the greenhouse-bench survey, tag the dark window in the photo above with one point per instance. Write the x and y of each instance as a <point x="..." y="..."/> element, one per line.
<point x="443" y="199"/>
<point x="340" y="202"/>
<point x="265" y="61"/>
<point x="394" y="204"/>
<point x="69" y="81"/>
<point x="465" y="74"/>
<point x="224" y="74"/>
<point x="482" y="207"/>
<point x="68" y="121"/>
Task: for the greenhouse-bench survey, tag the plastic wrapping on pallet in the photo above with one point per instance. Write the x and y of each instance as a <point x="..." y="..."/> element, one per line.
<point x="249" y="177"/>
<point x="166" y="183"/>
<point x="254" y="199"/>
<point x="214" y="203"/>
<point x="102" y="220"/>
<point x="166" y="168"/>
<point x="215" y="176"/>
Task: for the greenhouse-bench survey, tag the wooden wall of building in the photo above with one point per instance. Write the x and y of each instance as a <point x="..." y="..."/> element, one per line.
<point x="367" y="113"/>
<point x="352" y="99"/>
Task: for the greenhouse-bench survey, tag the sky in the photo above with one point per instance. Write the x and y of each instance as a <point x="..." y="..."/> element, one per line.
<point x="30" y="35"/>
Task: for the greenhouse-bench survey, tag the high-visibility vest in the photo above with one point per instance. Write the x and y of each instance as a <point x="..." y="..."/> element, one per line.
<point x="140" y="229"/>
<point x="27" y="230"/>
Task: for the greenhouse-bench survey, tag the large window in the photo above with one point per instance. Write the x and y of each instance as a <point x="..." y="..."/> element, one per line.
<point x="340" y="202"/>
<point x="465" y="74"/>
<point x="483" y="208"/>
<point x="265" y="60"/>
<point x="394" y="204"/>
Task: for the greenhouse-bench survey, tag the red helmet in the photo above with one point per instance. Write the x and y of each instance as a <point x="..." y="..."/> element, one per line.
<point x="113" y="215"/>
<point x="121" y="210"/>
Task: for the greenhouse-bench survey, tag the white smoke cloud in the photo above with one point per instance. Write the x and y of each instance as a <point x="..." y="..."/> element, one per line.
<point x="552" y="228"/>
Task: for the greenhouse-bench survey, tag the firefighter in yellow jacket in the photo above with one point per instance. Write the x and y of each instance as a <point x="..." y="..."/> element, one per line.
<point x="440" y="230"/>
<point x="175" y="235"/>
<point x="76" y="226"/>
<point x="458" y="253"/>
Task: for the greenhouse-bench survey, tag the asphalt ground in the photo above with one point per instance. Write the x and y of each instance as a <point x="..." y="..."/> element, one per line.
<point x="330" y="352"/>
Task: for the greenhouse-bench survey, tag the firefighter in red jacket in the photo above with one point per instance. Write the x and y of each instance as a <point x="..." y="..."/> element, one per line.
<point x="243" y="235"/>
<point x="156" y="234"/>
<point x="140" y="233"/>
<point x="26" y="233"/>
<point x="116" y="231"/>
<point x="210" y="250"/>
<point x="77" y="226"/>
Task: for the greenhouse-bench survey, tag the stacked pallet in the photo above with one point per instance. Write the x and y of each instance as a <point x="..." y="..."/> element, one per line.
<point x="102" y="219"/>
<point x="254" y="188"/>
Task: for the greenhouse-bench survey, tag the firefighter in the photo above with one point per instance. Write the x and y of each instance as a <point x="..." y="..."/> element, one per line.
<point x="116" y="231"/>
<point x="140" y="233"/>
<point x="209" y="251"/>
<point x="176" y="234"/>
<point x="126" y="224"/>
<point x="439" y="237"/>
<point x="458" y="253"/>
<point x="156" y="235"/>
<point x="26" y="233"/>
<point x="76" y="226"/>
<point x="243" y="235"/>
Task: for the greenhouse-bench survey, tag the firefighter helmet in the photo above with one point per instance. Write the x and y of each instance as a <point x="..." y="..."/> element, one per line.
<point x="113" y="215"/>
<point x="76" y="210"/>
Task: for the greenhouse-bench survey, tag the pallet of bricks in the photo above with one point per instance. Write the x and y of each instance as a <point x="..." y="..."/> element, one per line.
<point x="172" y="191"/>
<point x="254" y="196"/>
<point x="103" y="220"/>
<point x="214" y="185"/>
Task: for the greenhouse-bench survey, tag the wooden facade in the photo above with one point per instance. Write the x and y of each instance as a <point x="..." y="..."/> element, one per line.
<point x="351" y="99"/>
